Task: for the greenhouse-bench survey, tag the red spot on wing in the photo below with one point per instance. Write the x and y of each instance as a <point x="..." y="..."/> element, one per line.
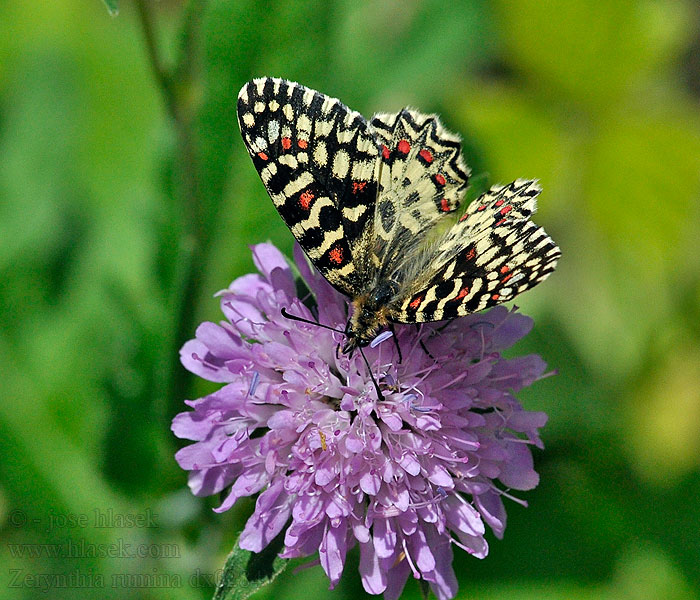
<point x="499" y="202"/>
<point x="500" y="222"/>
<point x="303" y="144"/>
<point x="506" y="209"/>
<point x="336" y="255"/>
<point x="385" y="152"/>
<point x="440" y="179"/>
<point x="415" y="303"/>
<point x="305" y="199"/>
<point x="444" y="205"/>
<point x="507" y="277"/>
<point x="495" y="297"/>
<point x="470" y="255"/>
<point x="426" y="156"/>
<point x="482" y="207"/>
<point x="464" y="217"/>
<point x="505" y="269"/>
<point x="358" y="186"/>
<point x="462" y="293"/>
<point x="286" y="143"/>
<point x="262" y="155"/>
<point x="403" y="147"/>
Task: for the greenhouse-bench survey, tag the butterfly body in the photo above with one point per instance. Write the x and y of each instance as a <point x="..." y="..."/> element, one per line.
<point x="370" y="314"/>
<point x="371" y="204"/>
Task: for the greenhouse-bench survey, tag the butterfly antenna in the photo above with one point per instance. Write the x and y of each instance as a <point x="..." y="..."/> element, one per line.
<point x="396" y="341"/>
<point x="286" y="315"/>
<point x="371" y="375"/>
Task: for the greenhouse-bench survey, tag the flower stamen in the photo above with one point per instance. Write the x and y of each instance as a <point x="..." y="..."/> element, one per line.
<point x="254" y="383"/>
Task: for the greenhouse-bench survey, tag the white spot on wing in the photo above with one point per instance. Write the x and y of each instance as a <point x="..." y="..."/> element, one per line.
<point x="362" y="169"/>
<point x="267" y="173"/>
<point x="288" y="160"/>
<point x="353" y="214"/>
<point x="273" y="131"/>
<point x="308" y="97"/>
<point x="298" y="184"/>
<point x="323" y="128"/>
<point x="304" y="124"/>
<point x="320" y="154"/>
<point x="341" y="164"/>
<point x="327" y="105"/>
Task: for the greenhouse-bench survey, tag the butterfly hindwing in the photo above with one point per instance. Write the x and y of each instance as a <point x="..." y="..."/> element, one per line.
<point x="493" y="253"/>
<point x="318" y="161"/>
<point x="422" y="177"/>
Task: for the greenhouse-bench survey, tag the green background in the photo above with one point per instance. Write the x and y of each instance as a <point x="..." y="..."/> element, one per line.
<point x="126" y="203"/>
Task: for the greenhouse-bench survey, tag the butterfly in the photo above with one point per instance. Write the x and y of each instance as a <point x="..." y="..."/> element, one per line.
<point x="370" y="203"/>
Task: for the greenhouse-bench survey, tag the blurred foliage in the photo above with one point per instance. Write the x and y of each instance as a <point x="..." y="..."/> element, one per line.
<point x="112" y="7"/>
<point x="118" y="223"/>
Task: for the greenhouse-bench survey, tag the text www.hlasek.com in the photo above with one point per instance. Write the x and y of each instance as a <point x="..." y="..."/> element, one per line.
<point x="83" y="549"/>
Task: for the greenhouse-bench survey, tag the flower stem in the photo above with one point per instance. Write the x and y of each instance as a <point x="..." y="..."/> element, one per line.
<point x="177" y="84"/>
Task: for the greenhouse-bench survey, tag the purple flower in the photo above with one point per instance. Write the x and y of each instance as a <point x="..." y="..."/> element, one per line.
<point x="406" y="477"/>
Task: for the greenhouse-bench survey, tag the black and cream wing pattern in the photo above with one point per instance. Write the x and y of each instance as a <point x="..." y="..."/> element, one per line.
<point x="492" y="254"/>
<point x="319" y="162"/>
<point x="371" y="204"/>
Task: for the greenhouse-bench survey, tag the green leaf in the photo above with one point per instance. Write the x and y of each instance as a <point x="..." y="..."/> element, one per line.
<point x="247" y="572"/>
<point x="112" y="7"/>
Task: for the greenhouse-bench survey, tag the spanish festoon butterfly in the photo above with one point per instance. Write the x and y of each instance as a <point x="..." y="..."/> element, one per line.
<point x="370" y="203"/>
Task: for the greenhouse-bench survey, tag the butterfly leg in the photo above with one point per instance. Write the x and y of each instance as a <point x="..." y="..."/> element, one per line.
<point x="422" y="345"/>
<point x="380" y="396"/>
<point x="396" y="342"/>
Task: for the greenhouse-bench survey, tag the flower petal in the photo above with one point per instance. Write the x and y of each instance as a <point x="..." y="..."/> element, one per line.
<point x="332" y="551"/>
<point x="271" y="513"/>
<point x="267" y="257"/>
<point x="373" y="577"/>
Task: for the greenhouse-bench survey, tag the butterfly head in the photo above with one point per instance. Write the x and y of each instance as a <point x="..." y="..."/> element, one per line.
<point x="369" y="316"/>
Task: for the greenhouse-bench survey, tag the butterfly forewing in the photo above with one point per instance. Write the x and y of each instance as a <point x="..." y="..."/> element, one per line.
<point x="493" y="253"/>
<point x="317" y="159"/>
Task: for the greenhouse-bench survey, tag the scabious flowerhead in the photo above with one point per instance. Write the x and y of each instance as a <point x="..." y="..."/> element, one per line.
<point x="405" y="476"/>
